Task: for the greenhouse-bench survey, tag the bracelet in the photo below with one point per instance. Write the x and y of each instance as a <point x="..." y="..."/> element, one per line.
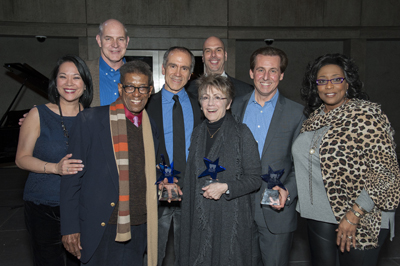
<point x="356" y="213"/>
<point x="361" y="208"/>
<point x="345" y="217"/>
<point x="44" y="168"/>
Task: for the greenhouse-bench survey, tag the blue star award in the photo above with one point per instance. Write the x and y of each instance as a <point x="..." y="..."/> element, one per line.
<point x="270" y="196"/>
<point x="212" y="170"/>
<point x="167" y="172"/>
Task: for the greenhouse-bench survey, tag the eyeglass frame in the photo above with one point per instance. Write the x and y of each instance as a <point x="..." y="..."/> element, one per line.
<point x="217" y="98"/>
<point x="329" y="80"/>
<point x="136" y="88"/>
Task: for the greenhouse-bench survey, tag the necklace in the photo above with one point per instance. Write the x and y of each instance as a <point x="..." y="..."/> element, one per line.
<point x="62" y="123"/>
<point x="314" y="142"/>
<point x="212" y="136"/>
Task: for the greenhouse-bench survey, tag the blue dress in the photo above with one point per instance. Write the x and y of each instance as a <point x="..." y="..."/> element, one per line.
<point x="42" y="193"/>
<point x="51" y="146"/>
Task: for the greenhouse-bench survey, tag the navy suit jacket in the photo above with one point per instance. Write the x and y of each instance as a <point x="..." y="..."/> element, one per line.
<point x="88" y="197"/>
<point x="277" y="152"/>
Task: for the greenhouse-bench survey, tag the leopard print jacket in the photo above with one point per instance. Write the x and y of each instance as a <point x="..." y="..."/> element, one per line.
<point x="358" y="152"/>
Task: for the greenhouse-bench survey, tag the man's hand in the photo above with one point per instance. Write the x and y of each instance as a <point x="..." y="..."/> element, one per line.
<point x="170" y="187"/>
<point x="72" y="244"/>
<point x="283" y="194"/>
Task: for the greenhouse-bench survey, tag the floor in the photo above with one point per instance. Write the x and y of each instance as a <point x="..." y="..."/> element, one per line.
<point x="15" y="250"/>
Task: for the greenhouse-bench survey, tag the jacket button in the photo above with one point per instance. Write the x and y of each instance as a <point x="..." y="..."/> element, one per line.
<point x="103" y="224"/>
<point x="112" y="204"/>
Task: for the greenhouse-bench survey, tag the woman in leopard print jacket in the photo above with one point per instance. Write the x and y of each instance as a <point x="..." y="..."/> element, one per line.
<point x="346" y="166"/>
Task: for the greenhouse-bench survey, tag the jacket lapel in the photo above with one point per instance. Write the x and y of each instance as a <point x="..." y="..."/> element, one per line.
<point x="275" y="121"/>
<point x="107" y="144"/>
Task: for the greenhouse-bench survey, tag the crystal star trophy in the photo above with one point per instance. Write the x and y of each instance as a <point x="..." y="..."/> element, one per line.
<point x="272" y="178"/>
<point x="168" y="172"/>
<point x="211" y="172"/>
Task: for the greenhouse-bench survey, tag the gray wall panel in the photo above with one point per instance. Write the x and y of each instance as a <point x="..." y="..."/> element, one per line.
<point x="155" y="12"/>
<point x="276" y="13"/>
<point x="380" y="13"/>
<point x="72" y="11"/>
<point x="382" y="79"/>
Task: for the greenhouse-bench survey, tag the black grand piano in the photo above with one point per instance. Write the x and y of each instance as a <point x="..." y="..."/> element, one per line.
<point x="9" y="128"/>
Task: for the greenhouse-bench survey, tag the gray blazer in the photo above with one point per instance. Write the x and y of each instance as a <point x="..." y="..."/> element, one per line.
<point x="284" y="128"/>
<point x="93" y="66"/>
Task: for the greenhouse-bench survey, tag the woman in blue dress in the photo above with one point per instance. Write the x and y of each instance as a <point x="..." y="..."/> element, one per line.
<point x="42" y="150"/>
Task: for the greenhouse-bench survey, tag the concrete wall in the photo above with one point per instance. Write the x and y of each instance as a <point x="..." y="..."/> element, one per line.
<point x="367" y="30"/>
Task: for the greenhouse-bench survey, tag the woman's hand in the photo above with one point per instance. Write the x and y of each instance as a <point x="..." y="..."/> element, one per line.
<point x="68" y="166"/>
<point x="346" y="232"/>
<point x="214" y="190"/>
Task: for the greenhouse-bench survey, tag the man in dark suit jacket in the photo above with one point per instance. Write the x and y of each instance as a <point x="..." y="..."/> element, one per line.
<point x="214" y="58"/>
<point x="177" y="66"/>
<point x="275" y="122"/>
<point x="91" y="199"/>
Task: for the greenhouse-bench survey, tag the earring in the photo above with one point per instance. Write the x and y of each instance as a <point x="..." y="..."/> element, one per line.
<point x="347" y="93"/>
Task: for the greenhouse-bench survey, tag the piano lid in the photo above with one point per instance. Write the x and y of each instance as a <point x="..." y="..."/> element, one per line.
<point x="32" y="78"/>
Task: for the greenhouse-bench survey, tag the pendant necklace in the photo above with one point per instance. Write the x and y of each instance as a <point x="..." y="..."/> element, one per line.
<point x="64" y="128"/>
<point x="212" y="136"/>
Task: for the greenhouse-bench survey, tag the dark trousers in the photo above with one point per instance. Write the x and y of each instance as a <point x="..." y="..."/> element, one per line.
<point x="43" y="225"/>
<point x="110" y="252"/>
<point x="324" y="251"/>
<point x="170" y="216"/>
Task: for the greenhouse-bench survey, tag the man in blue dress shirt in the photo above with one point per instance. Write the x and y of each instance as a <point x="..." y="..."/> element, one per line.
<point x="275" y="122"/>
<point x="113" y="41"/>
<point x="178" y="64"/>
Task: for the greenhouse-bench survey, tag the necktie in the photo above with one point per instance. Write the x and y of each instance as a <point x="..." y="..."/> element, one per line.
<point x="136" y="121"/>
<point x="179" y="155"/>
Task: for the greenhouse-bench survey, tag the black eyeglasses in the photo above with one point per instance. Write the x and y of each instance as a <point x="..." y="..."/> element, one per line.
<point x="131" y="89"/>
<point x="333" y="81"/>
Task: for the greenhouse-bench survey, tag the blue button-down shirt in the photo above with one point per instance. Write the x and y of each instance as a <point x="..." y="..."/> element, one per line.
<point x="258" y="118"/>
<point x="188" y="120"/>
<point x="109" y="79"/>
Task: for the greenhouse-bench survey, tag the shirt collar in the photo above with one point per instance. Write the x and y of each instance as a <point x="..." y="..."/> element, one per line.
<point x="106" y="68"/>
<point x="273" y="101"/>
<point x="223" y="74"/>
<point x="131" y="116"/>
<point x="168" y="95"/>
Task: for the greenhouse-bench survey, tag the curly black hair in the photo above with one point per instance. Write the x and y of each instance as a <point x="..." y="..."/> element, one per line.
<point x="309" y="90"/>
<point x="84" y="72"/>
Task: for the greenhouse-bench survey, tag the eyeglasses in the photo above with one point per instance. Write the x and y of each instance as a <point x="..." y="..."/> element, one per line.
<point x="208" y="98"/>
<point x="131" y="89"/>
<point x="333" y="81"/>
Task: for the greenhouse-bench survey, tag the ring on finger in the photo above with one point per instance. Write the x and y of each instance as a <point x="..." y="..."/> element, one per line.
<point x="67" y="170"/>
<point x="349" y="237"/>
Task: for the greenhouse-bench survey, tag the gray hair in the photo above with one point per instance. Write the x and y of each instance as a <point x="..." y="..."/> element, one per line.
<point x="218" y="82"/>
<point x="101" y="27"/>
<point x="181" y="49"/>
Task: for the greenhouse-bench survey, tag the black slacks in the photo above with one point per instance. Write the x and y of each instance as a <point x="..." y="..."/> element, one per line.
<point x="324" y="251"/>
<point x="43" y="225"/>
